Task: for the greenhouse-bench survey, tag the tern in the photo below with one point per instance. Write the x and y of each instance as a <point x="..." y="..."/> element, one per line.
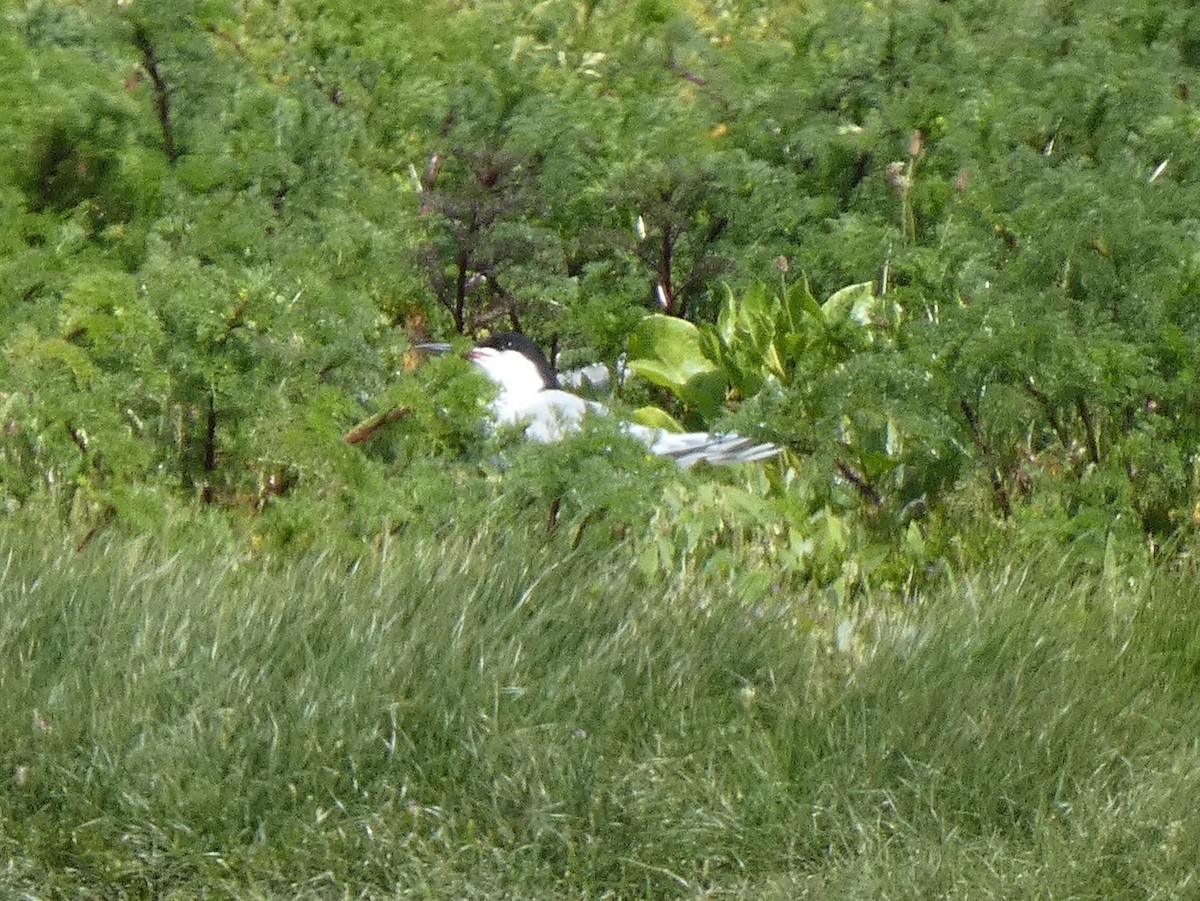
<point x="529" y="395"/>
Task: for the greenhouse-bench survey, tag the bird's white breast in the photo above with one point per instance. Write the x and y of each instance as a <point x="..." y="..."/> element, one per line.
<point x="547" y="415"/>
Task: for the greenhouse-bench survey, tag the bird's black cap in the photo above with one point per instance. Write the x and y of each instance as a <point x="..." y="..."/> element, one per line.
<point x="525" y="345"/>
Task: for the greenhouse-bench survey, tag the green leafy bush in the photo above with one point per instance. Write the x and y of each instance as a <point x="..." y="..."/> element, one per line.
<point x="222" y="229"/>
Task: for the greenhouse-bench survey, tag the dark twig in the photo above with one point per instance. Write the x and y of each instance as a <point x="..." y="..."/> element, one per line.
<point x="1048" y="408"/>
<point x="665" y="288"/>
<point x="162" y="94"/>
<point x="78" y="439"/>
<point x="700" y="82"/>
<point x="458" y="307"/>
<point x="210" y="447"/>
<point x="985" y="449"/>
<point x="367" y="429"/>
<point x="860" y="482"/>
<point x="1085" y="414"/>
<point x="106" y="516"/>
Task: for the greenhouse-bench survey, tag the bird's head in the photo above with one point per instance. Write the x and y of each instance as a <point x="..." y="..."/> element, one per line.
<point x="514" y="362"/>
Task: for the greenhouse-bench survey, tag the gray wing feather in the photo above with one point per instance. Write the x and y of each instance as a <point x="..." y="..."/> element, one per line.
<point x="689" y="448"/>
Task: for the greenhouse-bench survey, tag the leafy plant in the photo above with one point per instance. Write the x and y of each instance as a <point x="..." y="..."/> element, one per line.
<point x="758" y="340"/>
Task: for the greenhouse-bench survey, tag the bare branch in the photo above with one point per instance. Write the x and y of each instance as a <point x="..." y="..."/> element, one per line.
<point x="368" y="428"/>
<point x="162" y="94"/>
<point x="985" y="449"/>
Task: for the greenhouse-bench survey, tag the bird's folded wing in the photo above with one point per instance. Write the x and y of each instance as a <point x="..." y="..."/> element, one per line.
<point x="550" y="415"/>
<point x="689" y="448"/>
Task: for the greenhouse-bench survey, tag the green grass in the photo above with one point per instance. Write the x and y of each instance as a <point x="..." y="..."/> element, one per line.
<point x="473" y="719"/>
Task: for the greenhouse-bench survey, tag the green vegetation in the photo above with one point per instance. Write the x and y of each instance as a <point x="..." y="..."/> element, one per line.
<point x="486" y="717"/>
<point x="224" y="224"/>
<point x="279" y="617"/>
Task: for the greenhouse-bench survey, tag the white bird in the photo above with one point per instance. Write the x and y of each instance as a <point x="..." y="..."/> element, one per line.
<point x="530" y="395"/>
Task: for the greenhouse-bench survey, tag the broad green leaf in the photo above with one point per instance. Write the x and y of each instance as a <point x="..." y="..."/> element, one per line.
<point x="774" y="363"/>
<point x="914" y="542"/>
<point x="800" y="302"/>
<point x="654" y="418"/>
<point x="666" y="351"/>
<point x="706" y="392"/>
<point x="852" y="302"/>
<point x="658" y="372"/>
<point x="727" y="318"/>
<point x="712" y="346"/>
<point x="758" y="304"/>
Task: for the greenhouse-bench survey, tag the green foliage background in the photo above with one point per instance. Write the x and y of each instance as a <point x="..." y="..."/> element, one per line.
<point x="225" y="223"/>
<point x="278" y="615"/>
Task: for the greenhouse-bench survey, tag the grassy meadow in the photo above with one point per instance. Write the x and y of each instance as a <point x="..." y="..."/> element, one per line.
<point x="491" y="717"/>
